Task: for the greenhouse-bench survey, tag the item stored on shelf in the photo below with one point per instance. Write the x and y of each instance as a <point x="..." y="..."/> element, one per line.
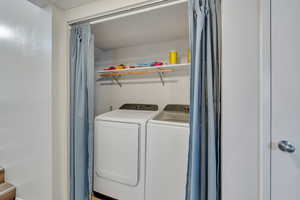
<point x="118" y="67"/>
<point x="173" y="57"/>
<point x="157" y="64"/>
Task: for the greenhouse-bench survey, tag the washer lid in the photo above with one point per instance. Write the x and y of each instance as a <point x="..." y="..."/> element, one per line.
<point x="136" y="116"/>
<point x="173" y="115"/>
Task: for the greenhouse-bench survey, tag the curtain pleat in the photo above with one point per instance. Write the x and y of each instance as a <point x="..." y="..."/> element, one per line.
<point x="82" y="111"/>
<point x="204" y="167"/>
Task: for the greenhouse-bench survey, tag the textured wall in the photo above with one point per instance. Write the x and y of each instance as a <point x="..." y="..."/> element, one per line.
<point x="240" y="99"/>
<point x="25" y="100"/>
<point x="60" y="106"/>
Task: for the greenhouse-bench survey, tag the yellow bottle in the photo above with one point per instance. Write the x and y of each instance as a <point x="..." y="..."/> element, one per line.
<point x="189" y="55"/>
<point x="173" y="57"/>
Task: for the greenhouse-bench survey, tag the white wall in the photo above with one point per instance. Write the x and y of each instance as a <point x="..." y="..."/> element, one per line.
<point x="240" y="99"/>
<point x="25" y="100"/>
<point x="146" y="89"/>
<point x="60" y="106"/>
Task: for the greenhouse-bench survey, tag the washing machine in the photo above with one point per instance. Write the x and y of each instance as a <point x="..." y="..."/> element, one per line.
<point x="167" y="154"/>
<point x="119" y="151"/>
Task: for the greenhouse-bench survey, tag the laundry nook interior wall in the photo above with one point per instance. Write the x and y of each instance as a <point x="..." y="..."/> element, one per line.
<point x="143" y="88"/>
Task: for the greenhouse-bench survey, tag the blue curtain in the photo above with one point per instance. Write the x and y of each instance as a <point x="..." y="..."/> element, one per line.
<point x="82" y="111"/>
<point x="204" y="167"/>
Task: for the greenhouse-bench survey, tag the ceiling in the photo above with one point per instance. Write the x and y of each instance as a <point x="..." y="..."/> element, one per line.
<point x="68" y="4"/>
<point x="164" y="24"/>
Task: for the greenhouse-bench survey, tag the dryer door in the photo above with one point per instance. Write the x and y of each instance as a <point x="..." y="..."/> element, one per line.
<point x="117" y="151"/>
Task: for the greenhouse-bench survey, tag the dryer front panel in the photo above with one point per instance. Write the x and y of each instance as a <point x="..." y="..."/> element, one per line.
<point x="117" y="147"/>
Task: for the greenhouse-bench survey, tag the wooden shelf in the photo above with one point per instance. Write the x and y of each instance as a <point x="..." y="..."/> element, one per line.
<point x="135" y="72"/>
<point x="162" y="67"/>
<point x="116" y="74"/>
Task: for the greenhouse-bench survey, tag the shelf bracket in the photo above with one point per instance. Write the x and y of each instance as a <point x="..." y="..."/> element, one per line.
<point x="161" y="78"/>
<point x="116" y="80"/>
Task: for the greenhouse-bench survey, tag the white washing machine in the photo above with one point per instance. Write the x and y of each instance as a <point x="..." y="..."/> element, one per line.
<point x="119" y="151"/>
<point x="167" y="154"/>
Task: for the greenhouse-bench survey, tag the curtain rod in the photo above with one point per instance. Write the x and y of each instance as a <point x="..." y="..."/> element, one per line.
<point x="126" y="11"/>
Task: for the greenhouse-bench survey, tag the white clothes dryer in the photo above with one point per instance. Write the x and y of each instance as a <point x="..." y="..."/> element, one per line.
<point x="119" y="151"/>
